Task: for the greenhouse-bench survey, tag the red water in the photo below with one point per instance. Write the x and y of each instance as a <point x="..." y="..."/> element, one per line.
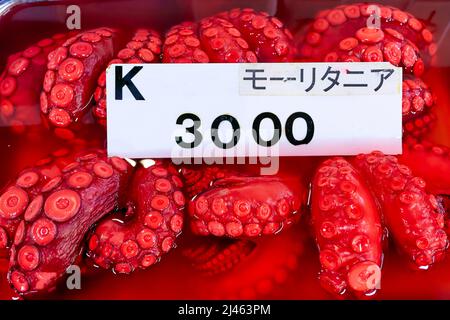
<point x="284" y="266"/>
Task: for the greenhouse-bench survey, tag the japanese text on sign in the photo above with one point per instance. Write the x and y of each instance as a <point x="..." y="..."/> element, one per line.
<point x="316" y="79"/>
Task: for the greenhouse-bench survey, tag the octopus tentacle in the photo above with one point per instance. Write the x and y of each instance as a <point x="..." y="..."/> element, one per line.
<point x="21" y="82"/>
<point x="222" y="43"/>
<point x="151" y="229"/>
<point x="246" y="206"/>
<point x="376" y="45"/>
<point x="413" y="216"/>
<point x="234" y="36"/>
<point x="330" y="27"/>
<point x="182" y="45"/>
<point x="70" y="79"/>
<point x="56" y="211"/>
<point x="44" y="173"/>
<point x="266" y="35"/>
<point x="417" y="104"/>
<point x="347" y="229"/>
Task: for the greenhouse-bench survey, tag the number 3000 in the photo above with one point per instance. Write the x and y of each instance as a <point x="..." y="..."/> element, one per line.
<point x="277" y="132"/>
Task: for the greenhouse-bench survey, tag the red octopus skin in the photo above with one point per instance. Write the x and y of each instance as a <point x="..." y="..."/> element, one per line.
<point x="347" y="229"/>
<point x="20" y="84"/>
<point x="144" y="47"/>
<point x="417" y="104"/>
<point x="149" y="231"/>
<point x="55" y="214"/>
<point x="239" y="207"/>
<point x="72" y="70"/>
<point x="235" y="36"/>
<point x="330" y="27"/>
<point x="431" y="162"/>
<point x="414" y="217"/>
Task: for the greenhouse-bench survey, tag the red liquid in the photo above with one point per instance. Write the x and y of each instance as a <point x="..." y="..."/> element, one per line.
<point x="281" y="267"/>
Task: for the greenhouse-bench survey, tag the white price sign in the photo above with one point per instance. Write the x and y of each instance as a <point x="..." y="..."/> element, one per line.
<point x="239" y="110"/>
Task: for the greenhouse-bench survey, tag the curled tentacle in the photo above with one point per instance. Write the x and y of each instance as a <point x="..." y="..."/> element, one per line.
<point x="150" y="230"/>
